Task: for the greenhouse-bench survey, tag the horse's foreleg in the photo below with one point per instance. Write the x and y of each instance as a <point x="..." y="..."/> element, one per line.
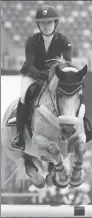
<point x="61" y="176"/>
<point x="49" y="151"/>
<point x="43" y="145"/>
<point x="78" y="172"/>
<point x="32" y="171"/>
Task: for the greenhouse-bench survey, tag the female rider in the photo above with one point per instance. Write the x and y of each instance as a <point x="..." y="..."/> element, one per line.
<point x="42" y="46"/>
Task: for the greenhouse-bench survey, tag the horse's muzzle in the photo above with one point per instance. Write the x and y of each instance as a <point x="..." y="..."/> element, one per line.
<point x="67" y="131"/>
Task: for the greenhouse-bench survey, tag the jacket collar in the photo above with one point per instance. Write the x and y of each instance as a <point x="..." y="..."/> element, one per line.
<point x="39" y="37"/>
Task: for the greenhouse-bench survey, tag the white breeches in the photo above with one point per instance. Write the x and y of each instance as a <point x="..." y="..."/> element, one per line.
<point x="25" y="83"/>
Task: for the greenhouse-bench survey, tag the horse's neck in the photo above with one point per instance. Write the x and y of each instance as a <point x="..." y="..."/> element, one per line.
<point x="47" y="97"/>
<point x="53" y="84"/>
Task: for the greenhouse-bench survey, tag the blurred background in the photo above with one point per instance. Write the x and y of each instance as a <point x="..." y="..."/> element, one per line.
<point x="17" y="25"/>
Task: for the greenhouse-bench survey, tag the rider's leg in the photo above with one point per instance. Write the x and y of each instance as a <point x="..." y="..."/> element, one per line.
<point x="19" y="141"/>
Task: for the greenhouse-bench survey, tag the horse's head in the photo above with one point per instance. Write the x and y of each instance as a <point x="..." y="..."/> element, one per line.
<point x="69" y="95"/>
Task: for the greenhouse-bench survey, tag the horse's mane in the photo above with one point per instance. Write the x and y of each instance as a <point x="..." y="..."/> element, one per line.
<point x="62" y="63"/>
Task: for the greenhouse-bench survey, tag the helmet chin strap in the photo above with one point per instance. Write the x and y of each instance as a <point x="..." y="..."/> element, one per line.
<point x="56" y="22"/>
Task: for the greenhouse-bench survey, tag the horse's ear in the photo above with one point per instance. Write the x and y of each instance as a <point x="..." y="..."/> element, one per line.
<point x="58" y="71"/>
<point x="82" y="72"/>
<point x="79" y="75"/>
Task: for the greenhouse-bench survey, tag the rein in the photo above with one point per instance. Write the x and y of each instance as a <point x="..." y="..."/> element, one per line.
<point x="61" y="91"/>
<point x="40" y="94"/>
<point x="57" y="112"/>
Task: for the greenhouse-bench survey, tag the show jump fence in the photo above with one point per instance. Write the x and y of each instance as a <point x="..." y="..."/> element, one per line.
<point x="45" y="211"/>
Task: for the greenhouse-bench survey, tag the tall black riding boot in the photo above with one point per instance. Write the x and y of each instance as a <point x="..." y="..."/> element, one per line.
<point x="19" y="141"/>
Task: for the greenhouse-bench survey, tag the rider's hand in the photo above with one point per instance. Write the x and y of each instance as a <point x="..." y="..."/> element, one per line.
<point x="42" y="75"/>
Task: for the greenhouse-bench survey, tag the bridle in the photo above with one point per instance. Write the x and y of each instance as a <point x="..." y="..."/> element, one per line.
<point x="60" y="93"/>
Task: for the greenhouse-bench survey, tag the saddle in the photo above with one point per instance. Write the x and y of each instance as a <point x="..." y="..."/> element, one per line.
<point x="12" y="119"/>
<point x="33" y="93"/>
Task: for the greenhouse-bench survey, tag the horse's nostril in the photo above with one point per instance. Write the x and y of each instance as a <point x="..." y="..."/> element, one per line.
<point x="73" y="131"/>
<point x="68" y="131"/>
<point x="64" y="130"/>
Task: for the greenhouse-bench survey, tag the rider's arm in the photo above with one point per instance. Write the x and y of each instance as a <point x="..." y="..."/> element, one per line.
<point x="29" y="68"/>
<point x="67" y="53"/>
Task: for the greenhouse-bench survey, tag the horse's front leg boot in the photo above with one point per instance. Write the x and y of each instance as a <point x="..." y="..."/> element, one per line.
<point x="54" y="151"/>
<point x="72" y="143"/>
<point x="61" y="177"/>
<point x="80" y="150"/>
<point x="77" y="175"/>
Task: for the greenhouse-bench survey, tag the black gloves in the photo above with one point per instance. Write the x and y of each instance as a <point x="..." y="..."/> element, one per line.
<point x="31" y="71"/>
<point x="42" y="76"/>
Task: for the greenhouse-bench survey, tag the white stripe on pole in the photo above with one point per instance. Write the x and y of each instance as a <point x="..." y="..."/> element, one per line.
<point x="45" y="211"/>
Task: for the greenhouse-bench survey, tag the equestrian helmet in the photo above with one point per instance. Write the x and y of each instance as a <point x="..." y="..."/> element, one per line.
<point x="46" y="13"/>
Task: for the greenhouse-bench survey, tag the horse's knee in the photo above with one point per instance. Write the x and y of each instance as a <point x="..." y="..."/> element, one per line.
<point x="53" y="148"/>
<point x="42" y="141"/>
<point x="29" y="162"/>
<point x="80" y="151"/>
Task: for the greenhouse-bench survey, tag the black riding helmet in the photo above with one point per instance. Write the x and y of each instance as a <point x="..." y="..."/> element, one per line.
<point x="47" y="13"/>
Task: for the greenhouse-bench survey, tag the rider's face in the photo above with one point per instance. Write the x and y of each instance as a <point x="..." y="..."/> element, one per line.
<point x="47" y="27"/>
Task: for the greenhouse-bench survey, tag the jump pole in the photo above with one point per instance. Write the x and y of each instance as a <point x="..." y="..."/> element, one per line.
<point x="45" y="211"/>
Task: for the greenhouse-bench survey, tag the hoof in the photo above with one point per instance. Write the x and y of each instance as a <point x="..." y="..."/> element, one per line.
<point x="39" y="185"/>
<point x="37" y="180"/>
<point x="61" y="183"/>
<point x="48" y="180"/>
<point x="63" y="176"/>
<point x="75" y="182"/>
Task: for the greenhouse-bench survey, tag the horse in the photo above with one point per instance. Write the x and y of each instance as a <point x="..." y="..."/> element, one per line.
<point x="57" y="129"/>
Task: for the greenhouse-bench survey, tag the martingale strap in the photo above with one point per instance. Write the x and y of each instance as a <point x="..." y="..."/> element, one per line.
<point x="49" y="116"/>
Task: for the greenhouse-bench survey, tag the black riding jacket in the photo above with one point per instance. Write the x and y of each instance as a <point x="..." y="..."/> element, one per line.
<point x="36" y="54"/>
